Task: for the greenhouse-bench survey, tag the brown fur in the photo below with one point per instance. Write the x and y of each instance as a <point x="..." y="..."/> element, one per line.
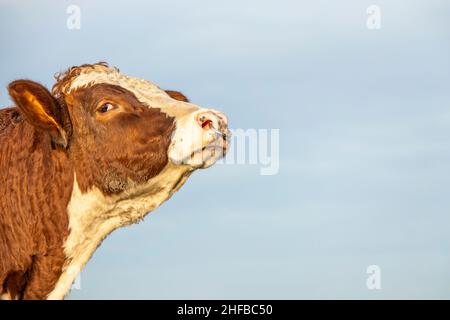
<point x="41" y="150"/>
<point x="177" y="95"/>
<point x="35" y="188"/>
<point x="131" y="146"/>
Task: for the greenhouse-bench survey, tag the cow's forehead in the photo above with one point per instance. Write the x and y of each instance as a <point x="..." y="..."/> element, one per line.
<point x="144" y="90"/>
<point x="100" y="74"/>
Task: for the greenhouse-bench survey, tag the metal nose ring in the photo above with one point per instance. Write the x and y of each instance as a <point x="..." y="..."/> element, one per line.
<point x="220" y="133"/>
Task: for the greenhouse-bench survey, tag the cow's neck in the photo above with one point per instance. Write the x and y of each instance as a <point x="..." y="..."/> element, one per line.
<point x="93" y="216"/>
<point x="35" y="189"/>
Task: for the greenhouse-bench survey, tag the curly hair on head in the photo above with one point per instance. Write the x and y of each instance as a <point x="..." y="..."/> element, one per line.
<point x="63" y="79"/>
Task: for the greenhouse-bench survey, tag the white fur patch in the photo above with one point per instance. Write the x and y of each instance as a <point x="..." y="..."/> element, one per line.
<point x="93" y="216"/>
<point x="189" y="141"/>
<point x="5" y="296"/>
<point x="144" y="90"/>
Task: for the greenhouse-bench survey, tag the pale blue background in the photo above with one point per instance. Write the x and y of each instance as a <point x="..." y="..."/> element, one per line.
<point x="365" y="155"/>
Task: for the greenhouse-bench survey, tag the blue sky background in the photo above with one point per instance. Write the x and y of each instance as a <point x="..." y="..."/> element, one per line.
<point x="364" y="119"/>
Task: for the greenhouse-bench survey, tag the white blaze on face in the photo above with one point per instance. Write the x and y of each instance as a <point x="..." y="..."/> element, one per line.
<point x="198" y="146"/>
<point x="191" y="144"/>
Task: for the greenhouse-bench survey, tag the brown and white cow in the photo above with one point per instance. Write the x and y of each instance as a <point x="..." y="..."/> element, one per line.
<point x="97" y="153"/>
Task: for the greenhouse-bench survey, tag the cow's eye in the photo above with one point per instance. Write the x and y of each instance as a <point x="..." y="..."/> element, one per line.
<point x="106" y="107"/>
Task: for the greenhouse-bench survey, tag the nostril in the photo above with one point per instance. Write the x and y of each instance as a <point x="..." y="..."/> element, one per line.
<point x="207" y="123"/>
<point x="212" y="120"/>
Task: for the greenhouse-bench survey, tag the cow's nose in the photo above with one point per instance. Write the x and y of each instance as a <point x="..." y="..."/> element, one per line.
<point x="212" y="119"/>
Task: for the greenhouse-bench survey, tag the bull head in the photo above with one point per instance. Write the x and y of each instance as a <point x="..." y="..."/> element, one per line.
<point x="126" y="144"/>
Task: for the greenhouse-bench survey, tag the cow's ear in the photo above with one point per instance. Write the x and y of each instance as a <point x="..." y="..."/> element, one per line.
<point x="177" y="95"/>
<point x="39" y="108"/>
